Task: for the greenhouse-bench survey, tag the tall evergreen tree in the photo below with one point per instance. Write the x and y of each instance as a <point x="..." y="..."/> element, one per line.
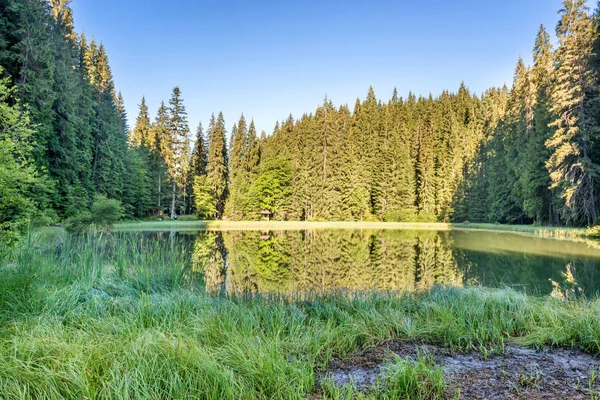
<point x="200" y="153"/>
<point x="160" y="150"/>
<point x="176" y="146"/>
<point x="140" y="135"/>
<point x="571" y="169"/>
<point x="217" y="168"/>
<point x="238" y="187"/>
<point x="538" y="202"/>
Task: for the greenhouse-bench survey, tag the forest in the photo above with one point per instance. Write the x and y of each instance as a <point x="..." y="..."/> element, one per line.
<point x="519" y="155"/>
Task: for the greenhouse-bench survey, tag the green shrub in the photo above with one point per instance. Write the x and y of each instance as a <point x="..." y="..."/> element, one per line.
<point x="593" y="232"/>
<point x="427" y="217"/>
<point x="400" y="216"/>
<point x="187" y="218"/>
<point x="79" y="223"/>
<point x="105" y="212"/>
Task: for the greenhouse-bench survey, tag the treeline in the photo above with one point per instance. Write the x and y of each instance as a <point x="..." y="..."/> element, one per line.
<point x="528" y="154"/>
<point x="542" y="162"/>
<point x="64" y="126"/>
<point x="524" y="155"/>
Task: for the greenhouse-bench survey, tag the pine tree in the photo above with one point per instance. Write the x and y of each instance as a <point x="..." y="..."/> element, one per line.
<point x="140" y="135"/>
<point x="424" y="165"/>
<point x="62" y="144"/>
<point x="176" y="146"/>
<point x="200" y="154"/>
<point x="536" y="180"/>
<point x="27" y="53"/>
<point x="239" y="142"/>
<point x="109" y="138"/>
<point x="160" y="150"/>
<point x="572" y="172"/>
<point x="217" y="167"/>
<point x="237" y="187"/>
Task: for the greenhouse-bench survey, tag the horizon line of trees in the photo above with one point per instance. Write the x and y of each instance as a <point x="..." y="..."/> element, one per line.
<point x="527" y="154"/>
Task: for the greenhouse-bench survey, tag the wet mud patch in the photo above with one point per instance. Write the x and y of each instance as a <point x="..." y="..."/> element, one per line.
<point x="519" y="373"/>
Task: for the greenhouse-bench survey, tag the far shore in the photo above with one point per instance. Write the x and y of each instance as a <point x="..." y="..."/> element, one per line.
<point x="219" y="225"/>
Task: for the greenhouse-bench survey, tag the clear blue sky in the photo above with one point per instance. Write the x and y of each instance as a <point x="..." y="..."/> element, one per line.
<point x="270" y="58"/>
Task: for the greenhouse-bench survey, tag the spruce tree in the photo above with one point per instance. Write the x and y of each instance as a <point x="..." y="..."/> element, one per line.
<point x="571" y="169"/>
<point x="217" y="167"/>
<point x="140" y="135"/>
<point x="200" y="153"/>
<point x="237" y="187"/>
<point x="160" y="150"/>
<point x="538" y="202"/>
<point x="176" y="146"/>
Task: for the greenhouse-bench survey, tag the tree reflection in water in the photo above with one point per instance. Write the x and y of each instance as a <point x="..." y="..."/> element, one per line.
<point x="243" y="262"/>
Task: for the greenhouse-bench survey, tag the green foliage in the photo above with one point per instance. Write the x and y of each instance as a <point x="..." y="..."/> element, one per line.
<point x="272" y="188"/>
<point x="18" y="177"/>
<point x="79" y="223"/>
<point x="218" y="164"/>
<point x="204" y="201"/>
<point x="573" y="173"/>
<point x="400" y="216"/>
<point x="413" y="380"/>
<point x="106" y="212"/>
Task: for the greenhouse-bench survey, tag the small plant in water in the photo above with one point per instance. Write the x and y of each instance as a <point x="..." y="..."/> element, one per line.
<point x="420" y="379"/>
<point x="592" y="381"/>
<point x="530" y="379"/>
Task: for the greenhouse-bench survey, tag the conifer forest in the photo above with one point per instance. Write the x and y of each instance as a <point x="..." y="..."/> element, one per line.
<point x="528" y="153"/>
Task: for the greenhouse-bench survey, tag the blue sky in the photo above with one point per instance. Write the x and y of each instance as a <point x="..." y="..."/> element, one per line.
<point x="270" y="58"/>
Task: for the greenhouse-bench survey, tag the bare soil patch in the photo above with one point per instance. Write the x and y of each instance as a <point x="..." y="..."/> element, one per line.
<point x="519" y="373"/>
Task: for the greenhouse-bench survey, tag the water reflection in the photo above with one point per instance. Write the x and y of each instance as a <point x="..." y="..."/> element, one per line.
<point x="327" y="260"/>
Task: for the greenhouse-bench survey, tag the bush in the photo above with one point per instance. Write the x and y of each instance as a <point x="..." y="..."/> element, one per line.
<point x="426" y="217"/>
<point x="106" y="212"/>
<point x="79" y="223"/>
<point x="187" y="218"/>
<point x="593" y="232"/>
<point x="400" y="216"/>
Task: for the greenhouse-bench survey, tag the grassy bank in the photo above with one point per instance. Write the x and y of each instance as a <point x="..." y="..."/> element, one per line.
<point x="116" y="318"/>
<point x="530" y="230"/>
<point x="271" y="225"/>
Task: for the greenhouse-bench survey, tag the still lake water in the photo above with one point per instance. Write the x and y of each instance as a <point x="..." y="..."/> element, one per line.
<point x="359" y="260"/>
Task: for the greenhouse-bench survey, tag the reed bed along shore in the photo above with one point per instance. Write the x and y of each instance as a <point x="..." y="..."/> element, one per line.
<point x="115" y="317"/>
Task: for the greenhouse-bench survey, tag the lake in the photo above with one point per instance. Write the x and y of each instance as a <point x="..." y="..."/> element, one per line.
<point x="234" y="262"/>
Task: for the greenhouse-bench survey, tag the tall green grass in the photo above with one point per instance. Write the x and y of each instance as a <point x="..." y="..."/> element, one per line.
<point x="114" y="317"/>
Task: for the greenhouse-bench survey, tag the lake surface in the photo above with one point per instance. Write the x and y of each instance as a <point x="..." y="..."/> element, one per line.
<point x="359" y="260"/>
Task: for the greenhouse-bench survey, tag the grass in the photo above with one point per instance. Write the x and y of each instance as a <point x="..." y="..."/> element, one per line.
<point x="104" y="317"/>
<point x="270" y="225"/>
<point x="400" y="379"/>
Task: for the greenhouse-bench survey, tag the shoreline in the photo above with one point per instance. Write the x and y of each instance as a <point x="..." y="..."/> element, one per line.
<point x="562" y="233"/>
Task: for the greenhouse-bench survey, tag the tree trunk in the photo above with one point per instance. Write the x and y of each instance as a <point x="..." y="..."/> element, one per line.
<point x="173" y="213"/>
<point x="159" y="191"/>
